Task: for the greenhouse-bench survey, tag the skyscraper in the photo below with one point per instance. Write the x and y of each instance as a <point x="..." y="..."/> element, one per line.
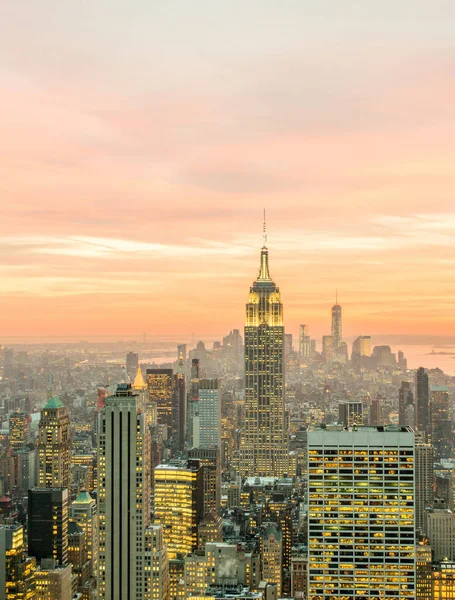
<point x="424" y="475"/>
<point x="157" y="585"/>
<point x="207" y="421"/>
<point x="263" y="449"/>
<point x="423" y="403"/>
<point x="178" y="429"/>
<point x="123" y="495"/>
<point x="406" y="409"/>
<point x="361" y="513"/>
<point x="19" y="430"/>
<point x="48" y="524"/>
<point x="178" y="505"/>
<point x="16" y="571"/>
<point x="441" y="424"/>
<point x="83" y="511"/>
<point x="160" y="389"/>
<point x="54" y="446"/>
<point x="304" y="342"/>
<point x="337" y="332"/>
<point x="132" y="364"/>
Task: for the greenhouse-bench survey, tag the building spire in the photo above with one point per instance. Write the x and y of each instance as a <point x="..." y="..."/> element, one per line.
<point x="264" y="230"/>
<point x="264" y="274"/>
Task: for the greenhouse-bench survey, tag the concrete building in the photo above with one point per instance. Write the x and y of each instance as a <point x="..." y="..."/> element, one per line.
<point x="54" y="446"/>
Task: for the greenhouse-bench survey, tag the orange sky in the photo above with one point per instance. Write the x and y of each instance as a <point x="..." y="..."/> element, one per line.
<point x="139" y="143"/>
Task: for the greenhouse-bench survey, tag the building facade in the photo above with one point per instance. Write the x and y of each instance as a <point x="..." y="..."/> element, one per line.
<point x="263" y="449"/>
<point x="124" y="496"/>
<point x="54" y="446"/>
<point x="361" y="538"/>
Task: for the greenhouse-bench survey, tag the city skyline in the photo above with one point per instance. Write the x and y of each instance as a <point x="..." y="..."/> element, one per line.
<point x="121" y="167"/>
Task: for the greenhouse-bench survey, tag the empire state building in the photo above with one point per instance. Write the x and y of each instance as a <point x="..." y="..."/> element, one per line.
<point x="263" y="449"/>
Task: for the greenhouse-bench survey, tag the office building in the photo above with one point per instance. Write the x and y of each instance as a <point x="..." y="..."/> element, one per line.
<point x="328" y="347"/>
<point x="361" y="513"/>
<point x="362" y="346"/>
<point x="48" y="524"/>
<point x="77" y="554"/>
<point x="350" y="413"/>
<point x="406" y="409"/>
<point x="19" y="430"/>
<point x="441" y="425"/>
<point x="178" y="505"/>
<point x="157" y="564"/>
<point x="440" y="528"/>
<point x="337" y="331"/>
<point x="17" y="580"/>
<point x="264" y="449"/>
<point x="83" y="511"/>
<point x="88" y="463"/>
<point x="304" y="342"/>
<point x="424" y="477"/>
<point x="423" y="404"/>
<point x="209" y="461"/>
<point x="123" y="495"/>
<point x="179" y="417"/>
<point x="271" y="554"/>
<point x="54" y="446"/>
<point x="207" y="419"/>
<point x="132" y="364"/>
<point x="160" y="392"/>
<point x="444" y="580"/>
<point x="384" y="357"/>
<point x="424" y="577"/>
<point x="53" y="581"/>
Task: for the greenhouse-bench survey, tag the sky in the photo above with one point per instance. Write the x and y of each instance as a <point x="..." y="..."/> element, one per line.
<point x="140" y="142"/>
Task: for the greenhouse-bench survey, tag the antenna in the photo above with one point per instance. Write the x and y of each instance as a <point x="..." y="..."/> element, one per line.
<point x="264" y="230"/>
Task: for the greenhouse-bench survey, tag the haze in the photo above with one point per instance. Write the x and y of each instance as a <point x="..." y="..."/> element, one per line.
<point x="140" y="141"/>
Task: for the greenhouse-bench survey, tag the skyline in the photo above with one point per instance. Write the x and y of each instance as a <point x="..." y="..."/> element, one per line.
<point x="140" y="146"/>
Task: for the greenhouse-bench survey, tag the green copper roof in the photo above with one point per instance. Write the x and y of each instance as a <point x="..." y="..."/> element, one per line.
<point x="55" y="402"/>
<point x="83" y="498"/>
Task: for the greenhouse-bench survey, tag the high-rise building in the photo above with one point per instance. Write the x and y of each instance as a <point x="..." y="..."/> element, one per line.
<point x="177" y="505"/>
<point x="424" y="576"/>
<point x="444" y="580"/>
<point x="362" y="345"/>
<point x="53" y="581"/>
<point x="361" y="513"/>
<point x="304" y="342"/>
<point x="16" y="570"/>
<point x="440" y="528"/>
<point x="77" y="554"/>
<point x="83" y="511"/>
<point x="209" y="460"/>
<point x="157" y="561"/>
<point x="179" y="417"/>
<point x="271" y="551"/>
<point x="54" y="446"/>
<point x="132" y="364"/>
<point x="123" y="494"/>
<point x="160" y="389"/>
<point x="384" y="357"/>
<point x="48" y="524"/>
<point x="193" y="402"/>
<point x="441" y="424"/>
<point x="19" y="430"/>
<point x="207" y="420"/>
<point x="328" y="347"/>
<point x="423" y="403"/>
<point x="264" y="448"/>
<point x="337" y="331"/>
<point x="424" y="475"/>
<point x="406" y="409"/>
<point x="351" y="412"/>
